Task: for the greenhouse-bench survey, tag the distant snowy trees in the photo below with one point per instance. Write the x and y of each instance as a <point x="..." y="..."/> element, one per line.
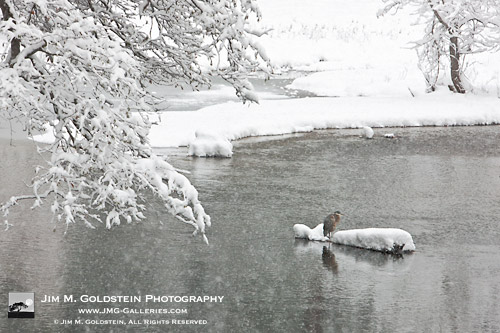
<point x="454" y="28"/>
<point x="81" y="67"/>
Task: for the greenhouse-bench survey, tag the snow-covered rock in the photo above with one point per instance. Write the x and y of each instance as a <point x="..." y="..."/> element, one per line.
<point x="303" y="231"/>
<point x="208" y="144"/>
<point x="368" y="132"/>
<point x="377" y="239"/>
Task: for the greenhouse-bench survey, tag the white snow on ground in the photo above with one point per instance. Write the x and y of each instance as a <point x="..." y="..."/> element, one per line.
<point x="233" y="120"/>
<point x="335" y="34"/>
<point x="363" y="60"/>
<point x="367" y="54"/>
<point x="347" y="52"/>
<point x="382" y="82"/>
<point x="377" y="239"/>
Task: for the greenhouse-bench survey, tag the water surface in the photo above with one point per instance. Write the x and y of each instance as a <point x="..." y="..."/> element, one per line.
<point x="440" y="184"/>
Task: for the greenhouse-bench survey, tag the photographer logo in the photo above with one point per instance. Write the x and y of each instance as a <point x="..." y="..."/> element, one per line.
<point x="21" y="305"/>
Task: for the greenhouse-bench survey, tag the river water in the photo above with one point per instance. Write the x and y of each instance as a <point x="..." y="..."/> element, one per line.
<point x="440" y="184"/>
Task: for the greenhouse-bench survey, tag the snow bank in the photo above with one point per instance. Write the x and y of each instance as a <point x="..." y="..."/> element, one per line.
<point x="233" y="120"/>
<point x="377" y="239"/>
<point x="210" y="145"/>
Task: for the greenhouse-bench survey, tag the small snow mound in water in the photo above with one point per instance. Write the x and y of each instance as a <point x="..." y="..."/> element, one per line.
<point x="210" y="145"/>
<point x="377" y="239"/>
<point x="303" y="231"/>
<point x="368" y="132"/>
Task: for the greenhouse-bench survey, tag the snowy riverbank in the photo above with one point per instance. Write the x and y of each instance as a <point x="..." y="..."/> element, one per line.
<point x="362" y="64"/>
<point x="365" y="66"/>
<point x="232" y="121"/>
<point x="219" y="124"/>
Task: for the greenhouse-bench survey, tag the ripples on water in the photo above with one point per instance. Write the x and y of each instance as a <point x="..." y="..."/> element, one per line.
<point x="440" y="184"/>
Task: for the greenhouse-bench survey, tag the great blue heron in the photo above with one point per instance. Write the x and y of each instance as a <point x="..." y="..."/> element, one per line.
<point x="330" y="223"/>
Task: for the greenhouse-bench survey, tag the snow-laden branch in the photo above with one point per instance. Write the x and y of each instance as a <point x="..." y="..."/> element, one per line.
<point x="258" y="32"/>
<point x="28" y="52"/>
<point x="80" y="71"/>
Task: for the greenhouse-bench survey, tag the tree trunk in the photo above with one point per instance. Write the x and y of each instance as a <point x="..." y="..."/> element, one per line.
<point x="15" y="44"/>
<point x="455" y="65"/>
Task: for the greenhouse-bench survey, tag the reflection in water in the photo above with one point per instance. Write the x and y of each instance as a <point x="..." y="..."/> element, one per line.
<point x="329" y="260"/>
<point x="441" y="185"/>
<point x="334" y="255"/>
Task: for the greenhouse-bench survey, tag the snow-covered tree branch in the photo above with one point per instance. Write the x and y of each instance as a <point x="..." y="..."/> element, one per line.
<point x="81" y="67"/>
<point x="454" y="28"/>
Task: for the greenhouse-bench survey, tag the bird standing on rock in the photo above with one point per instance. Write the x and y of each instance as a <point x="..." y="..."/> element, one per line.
<point x="330" y="223"/>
